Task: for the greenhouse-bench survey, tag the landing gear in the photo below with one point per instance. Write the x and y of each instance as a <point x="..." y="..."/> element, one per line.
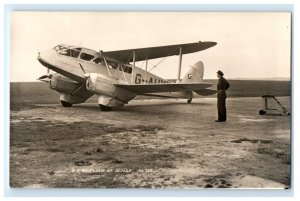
<point x="104" y="108"/>
<point x="189" y="101"/>
<point x="262" y="112"/>
<point x="66" y="104"/>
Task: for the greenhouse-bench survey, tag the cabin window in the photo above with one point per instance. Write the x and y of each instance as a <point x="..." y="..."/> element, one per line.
<point x="112" y="65"/>
<point x="129" y="70"/>
<point x="86" y="56"/>
<point x="126" y="69"/>
<point x="98" y="60"/>
<point x="75" y="52"/>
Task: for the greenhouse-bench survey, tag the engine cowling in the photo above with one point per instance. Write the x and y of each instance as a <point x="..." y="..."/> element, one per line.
<point x="108" y="93"/>
<point x="66" y="88"/>
<point x="62" y="84"/>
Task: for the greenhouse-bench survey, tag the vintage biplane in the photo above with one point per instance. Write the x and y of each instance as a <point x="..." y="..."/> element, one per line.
<point x="113" y="76"/>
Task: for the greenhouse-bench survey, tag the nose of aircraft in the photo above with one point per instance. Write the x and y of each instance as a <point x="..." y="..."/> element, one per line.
<point x="39" y="58"/>
<point x="45" y="58"/>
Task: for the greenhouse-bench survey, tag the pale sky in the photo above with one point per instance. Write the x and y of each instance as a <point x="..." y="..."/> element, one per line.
<point x="250" y="45"/>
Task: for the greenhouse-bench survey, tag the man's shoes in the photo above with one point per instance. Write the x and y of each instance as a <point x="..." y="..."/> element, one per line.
<point x="219" y="121"/>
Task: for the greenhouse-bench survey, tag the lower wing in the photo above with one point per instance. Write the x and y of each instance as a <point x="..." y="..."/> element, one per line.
<point x="141" y="89"/>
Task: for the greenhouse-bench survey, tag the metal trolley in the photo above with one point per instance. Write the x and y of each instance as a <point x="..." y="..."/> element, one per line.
<point x="272" y="98"/>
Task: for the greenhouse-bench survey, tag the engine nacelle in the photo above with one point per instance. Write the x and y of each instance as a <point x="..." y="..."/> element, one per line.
<point x="66" y="87"/>
<point x="109" y="101"/>
<point x="62" y="84"/>
<point x="109" y="93"/>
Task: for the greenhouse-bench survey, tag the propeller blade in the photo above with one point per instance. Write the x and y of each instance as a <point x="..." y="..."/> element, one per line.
<point x="43" y="77"/>
<point x="82" y="68"/>
<point x="45" y="80"/>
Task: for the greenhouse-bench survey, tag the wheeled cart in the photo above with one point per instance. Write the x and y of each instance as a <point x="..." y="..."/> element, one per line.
<point x="267" y="101"/>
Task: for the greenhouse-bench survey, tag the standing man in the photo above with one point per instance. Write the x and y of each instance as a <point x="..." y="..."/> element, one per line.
<point x="222" y="86"/>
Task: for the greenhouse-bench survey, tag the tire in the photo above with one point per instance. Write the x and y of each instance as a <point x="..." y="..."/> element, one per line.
<point x="189" y="101"/>
<point x="66" y="104"/>
<point x="105" y="108"/>
<point x="262" y="112"/>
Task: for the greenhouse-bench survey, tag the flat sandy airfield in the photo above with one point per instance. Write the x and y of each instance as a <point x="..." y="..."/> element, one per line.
<point x="158" y="143"/>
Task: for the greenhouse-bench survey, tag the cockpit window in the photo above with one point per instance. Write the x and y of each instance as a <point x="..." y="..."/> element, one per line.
<point x="86" y="56"/>
<point x="67" y="51"/>
<point x="63" y="50"/>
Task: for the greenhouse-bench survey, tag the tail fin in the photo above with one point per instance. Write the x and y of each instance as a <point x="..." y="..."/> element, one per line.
<point x="195" y="73"/>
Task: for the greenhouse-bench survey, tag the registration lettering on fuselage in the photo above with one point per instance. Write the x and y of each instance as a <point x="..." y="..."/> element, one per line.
<point x="139" y="80"/>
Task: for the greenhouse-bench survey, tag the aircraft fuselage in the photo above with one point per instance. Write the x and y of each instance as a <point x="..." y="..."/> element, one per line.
<point x="74" y="62"/>
<point x="87" y="72"/>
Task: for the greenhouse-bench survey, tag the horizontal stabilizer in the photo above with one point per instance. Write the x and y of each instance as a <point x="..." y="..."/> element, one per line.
<point x="205" y="92"/>
<point x="140" y="89"/>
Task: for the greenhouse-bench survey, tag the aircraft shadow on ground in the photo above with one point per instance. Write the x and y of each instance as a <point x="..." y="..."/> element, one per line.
<point x="141" y="107"/>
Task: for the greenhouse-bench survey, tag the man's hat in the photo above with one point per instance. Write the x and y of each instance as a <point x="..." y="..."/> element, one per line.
<point x="220" y="73"/>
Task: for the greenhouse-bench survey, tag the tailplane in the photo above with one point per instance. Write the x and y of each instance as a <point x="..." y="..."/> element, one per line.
<point x="195" y="73"/>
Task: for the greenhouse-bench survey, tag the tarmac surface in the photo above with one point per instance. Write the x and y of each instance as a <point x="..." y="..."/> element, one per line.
<point x="162" y="143"/>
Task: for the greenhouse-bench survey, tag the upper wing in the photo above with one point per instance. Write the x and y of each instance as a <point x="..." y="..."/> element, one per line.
<point x="157" y="52"/>
<point x="140" y="89"/>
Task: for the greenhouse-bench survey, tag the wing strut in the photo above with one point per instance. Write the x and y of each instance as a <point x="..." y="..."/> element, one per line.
<point x="146" y="69"/>
<point x="106" y="66"/>
<point x="179" y="64"/>
<point x="124" y="74"/>
<point x="133" y="68"/>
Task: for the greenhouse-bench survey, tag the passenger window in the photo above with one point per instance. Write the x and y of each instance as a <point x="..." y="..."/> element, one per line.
<point x="98" y="60"/>
<point x="112" y="65"/>
<point x="86" y="57"/>
<point x="126" y="69"/>
<point x="129" y="70"/>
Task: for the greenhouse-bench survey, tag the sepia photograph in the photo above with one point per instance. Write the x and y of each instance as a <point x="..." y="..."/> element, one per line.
<point x="151" y="100"/>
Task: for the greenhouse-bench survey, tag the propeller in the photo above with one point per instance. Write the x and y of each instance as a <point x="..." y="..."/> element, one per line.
<point x="86" y="75"/>
<point x="46" y="78"/>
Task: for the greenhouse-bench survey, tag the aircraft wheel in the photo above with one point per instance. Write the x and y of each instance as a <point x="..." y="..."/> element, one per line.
<point x="105" y="108"/>
<point x="189" y="101"/>
<point x="66" y="104"/>
<point x="262" y="112"/>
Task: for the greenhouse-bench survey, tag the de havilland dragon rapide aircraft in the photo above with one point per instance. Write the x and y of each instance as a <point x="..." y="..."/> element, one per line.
<point x="80" y="73"/>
